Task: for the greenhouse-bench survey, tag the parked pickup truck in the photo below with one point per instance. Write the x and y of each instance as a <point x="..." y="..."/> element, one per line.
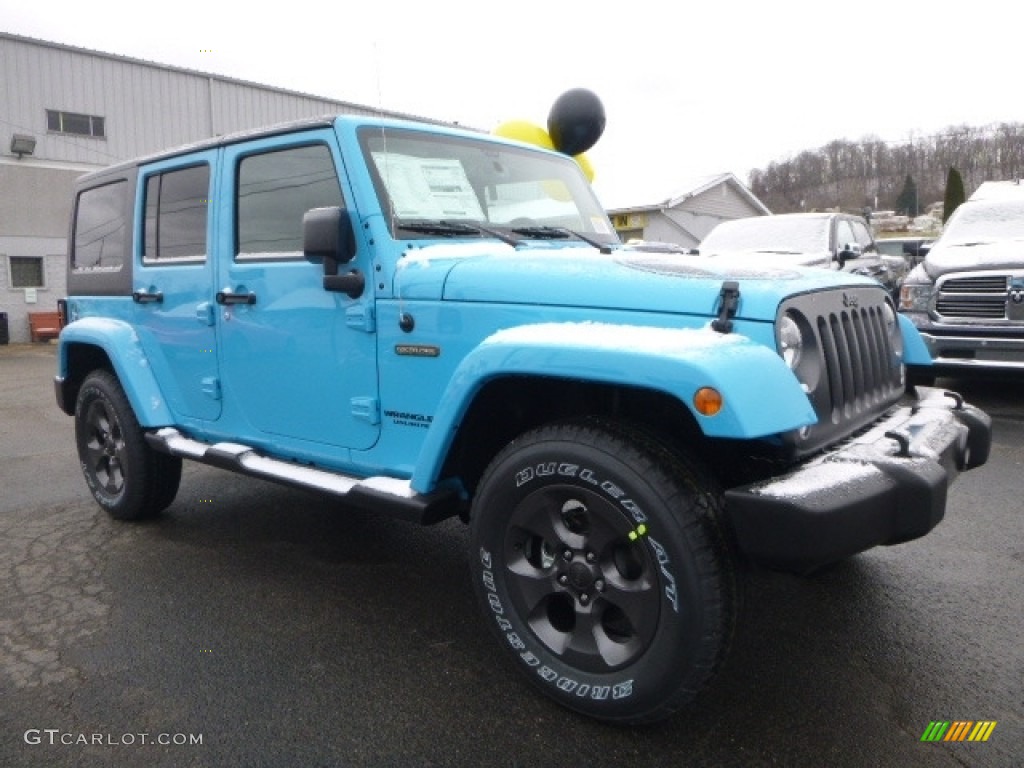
<point x="432" y="322"/>
<point x="966" y="297"/>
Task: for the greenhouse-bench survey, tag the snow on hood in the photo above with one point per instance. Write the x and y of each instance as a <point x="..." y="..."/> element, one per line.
<point x="953" y="257"/>
<point x="767" y="259"/>
<point x="981" y="234"/>
<point x="660" y="341"/>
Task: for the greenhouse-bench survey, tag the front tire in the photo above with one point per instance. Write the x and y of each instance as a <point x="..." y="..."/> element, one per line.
<point x="601" y="567"/>
<point x="127" y="478"/>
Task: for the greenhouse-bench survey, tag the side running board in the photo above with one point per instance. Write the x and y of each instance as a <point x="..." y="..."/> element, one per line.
<point x="385" y="494"/>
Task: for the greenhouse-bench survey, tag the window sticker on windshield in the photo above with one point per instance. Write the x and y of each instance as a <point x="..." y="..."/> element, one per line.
<point x="428" y="188"/>
<point x="600" y="225"/>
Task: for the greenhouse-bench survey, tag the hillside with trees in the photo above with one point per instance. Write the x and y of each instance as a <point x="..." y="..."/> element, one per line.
<point x="904" y="177"/>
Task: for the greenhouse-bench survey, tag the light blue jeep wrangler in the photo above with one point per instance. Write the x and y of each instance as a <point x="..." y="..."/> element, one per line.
<point x="433" y="322"/>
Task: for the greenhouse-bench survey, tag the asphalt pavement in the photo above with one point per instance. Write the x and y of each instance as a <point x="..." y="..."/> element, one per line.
<point x="256" y="625"/>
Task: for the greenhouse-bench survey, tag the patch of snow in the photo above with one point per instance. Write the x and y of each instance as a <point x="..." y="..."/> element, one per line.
<point x="460" y="250"/>
<point x="594" y="335"/>
<point x="824" y="476"/>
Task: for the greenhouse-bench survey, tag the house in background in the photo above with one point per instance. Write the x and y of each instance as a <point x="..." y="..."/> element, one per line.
<point x="687" y="217"/>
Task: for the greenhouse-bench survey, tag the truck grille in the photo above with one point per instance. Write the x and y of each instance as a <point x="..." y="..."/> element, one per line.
<point x="972" y="298"/>
<point x="851" y="370"/>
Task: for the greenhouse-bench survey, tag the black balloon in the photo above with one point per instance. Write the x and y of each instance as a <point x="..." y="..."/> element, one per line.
<point x="576" y="121"/>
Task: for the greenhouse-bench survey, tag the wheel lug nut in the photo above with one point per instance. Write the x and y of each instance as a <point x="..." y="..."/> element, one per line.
<point x="599" y="585"/>
<point x="567" y="554"/>
<point x="591" y="557"/>
<point x="563" y="579"/>
<point x="584" y="598"/>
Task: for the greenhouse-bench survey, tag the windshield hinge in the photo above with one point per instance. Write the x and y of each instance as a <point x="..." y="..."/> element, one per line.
<point x="729" y="302"/>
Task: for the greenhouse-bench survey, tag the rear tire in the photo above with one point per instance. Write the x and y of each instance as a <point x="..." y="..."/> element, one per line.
<point x="600" y="566"/>
<point x="129" y="479"/>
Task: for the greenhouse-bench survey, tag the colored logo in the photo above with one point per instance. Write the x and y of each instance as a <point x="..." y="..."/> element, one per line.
<point x="958" y="730"/>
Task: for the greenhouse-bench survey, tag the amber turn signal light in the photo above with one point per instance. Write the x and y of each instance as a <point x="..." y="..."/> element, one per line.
<point x="707" y="401"/>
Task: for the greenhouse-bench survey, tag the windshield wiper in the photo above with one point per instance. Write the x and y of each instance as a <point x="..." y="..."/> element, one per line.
<point x="454" y="229"/>
<point x="561" y="233"/>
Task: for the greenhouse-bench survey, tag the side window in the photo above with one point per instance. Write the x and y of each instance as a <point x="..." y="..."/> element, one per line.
<point x="176" y="208"/>
<point x="100" y="232"/>
<point x="274" y="190"/>
<point x="844" y="234"/>
<point x="863" y="234"/>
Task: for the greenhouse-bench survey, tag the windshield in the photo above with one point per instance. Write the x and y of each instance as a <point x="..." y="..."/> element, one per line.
<point x="779" y="234"/>
<point x="985" y="221"/>
<point x="425" y="179"/>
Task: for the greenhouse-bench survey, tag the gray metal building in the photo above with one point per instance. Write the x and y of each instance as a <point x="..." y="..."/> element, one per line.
<point x="65" y="111"/>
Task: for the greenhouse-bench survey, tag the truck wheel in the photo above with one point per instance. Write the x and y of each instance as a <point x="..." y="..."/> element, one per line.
<point x="129" y="479"/>
<point x="600" y="566"/>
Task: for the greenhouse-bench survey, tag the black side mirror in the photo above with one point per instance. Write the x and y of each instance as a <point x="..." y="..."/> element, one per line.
<point x="849" y="251"/>
<point x="327" y="237"/>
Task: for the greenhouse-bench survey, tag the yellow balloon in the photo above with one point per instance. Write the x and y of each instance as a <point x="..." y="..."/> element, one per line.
<point x="531" y="133"/>
<point x="556" y="190"/>
<point x="525" y="131"/>
<point x="584" y="163"/>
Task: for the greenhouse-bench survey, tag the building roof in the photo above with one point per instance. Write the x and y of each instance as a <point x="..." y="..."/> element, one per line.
<point x="345" y="105"/>
<point x="697" y="185"/>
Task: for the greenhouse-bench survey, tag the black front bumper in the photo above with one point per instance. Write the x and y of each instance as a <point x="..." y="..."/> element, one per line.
<point x="886" y="486"/>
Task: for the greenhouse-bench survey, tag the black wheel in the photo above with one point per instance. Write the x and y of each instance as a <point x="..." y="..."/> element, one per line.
<point x="129" y="479"/>
<point x="600" y="565"/>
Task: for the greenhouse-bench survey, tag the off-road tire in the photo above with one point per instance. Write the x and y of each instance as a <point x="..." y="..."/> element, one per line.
<point x="600" y="565"/>
<point x="129" y="479"/>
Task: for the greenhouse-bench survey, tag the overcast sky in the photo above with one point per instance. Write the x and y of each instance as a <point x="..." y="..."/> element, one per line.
<point x="688" y="89"/>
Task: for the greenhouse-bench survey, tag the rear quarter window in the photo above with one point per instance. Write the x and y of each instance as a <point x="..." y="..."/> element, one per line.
<point x="100" y="235"/>
<point x="100" y="230"/>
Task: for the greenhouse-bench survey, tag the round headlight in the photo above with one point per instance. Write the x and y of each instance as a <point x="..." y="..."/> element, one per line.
<point x="892" y="328"/>
<point x="791" y="342"/>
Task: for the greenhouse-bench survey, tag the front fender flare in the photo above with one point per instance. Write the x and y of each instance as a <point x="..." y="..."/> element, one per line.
<point x="914" y="350"/>
<point x="121" y="344"/>
<point x="761" y="395"/>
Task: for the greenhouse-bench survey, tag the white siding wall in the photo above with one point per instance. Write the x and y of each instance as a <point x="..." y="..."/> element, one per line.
<point x="692" y="220"/>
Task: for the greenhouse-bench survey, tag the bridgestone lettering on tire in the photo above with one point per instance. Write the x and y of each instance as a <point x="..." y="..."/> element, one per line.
<point x="127" y="478"/>
<point x="600" y="566"/>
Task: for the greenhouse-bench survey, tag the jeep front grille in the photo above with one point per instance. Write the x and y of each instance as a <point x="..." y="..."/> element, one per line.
<point x="857" y="356"/>
<point x="851" y="370"/>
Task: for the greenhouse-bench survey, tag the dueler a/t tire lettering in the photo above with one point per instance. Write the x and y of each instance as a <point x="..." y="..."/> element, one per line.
<point x="600" y="566"/>
<point x="127" y="478"/>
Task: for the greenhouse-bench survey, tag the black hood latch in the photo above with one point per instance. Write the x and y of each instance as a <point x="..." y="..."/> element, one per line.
<point x="729" y="302"/>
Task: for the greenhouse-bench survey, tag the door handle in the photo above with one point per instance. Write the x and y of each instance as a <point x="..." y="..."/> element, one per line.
<point x="223" y="297"/>
<point x="148" y="297"/>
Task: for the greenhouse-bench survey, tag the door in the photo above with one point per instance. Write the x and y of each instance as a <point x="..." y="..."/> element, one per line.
<point x="174" y="313"/>
<point x="297" y="361"/>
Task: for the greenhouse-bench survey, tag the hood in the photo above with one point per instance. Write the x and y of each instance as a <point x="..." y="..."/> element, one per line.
<point x="623" y="280"/>
<point x="967" y="257"/>
<point x="777" y="258"/>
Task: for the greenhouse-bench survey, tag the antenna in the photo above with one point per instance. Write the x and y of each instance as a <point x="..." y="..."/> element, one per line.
<point x="386" y="177"/>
